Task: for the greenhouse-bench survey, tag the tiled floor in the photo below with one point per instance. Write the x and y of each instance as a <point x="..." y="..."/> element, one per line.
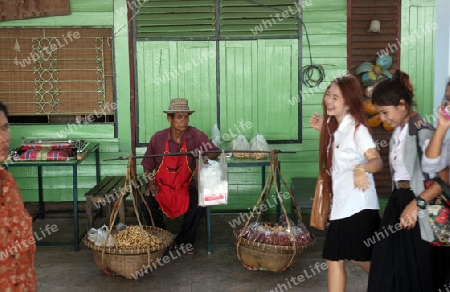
<point x="60" y="268"/>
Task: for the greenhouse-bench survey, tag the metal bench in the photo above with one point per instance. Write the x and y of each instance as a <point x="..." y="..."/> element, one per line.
<point x="104" y="194"/>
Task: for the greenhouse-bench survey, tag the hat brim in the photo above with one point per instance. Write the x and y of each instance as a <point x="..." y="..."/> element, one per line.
<point x="178" y="111"/>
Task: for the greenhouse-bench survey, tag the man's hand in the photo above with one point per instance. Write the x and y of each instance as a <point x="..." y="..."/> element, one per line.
<point x="152" y="189"/>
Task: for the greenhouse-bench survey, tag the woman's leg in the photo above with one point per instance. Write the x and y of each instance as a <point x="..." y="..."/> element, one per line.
<point x="337" y="277"/>
<point x="365" y="266"/>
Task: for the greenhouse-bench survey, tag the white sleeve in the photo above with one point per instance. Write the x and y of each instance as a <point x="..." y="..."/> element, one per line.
<point x="438" y="163"/>
<point x="363" y="139"/>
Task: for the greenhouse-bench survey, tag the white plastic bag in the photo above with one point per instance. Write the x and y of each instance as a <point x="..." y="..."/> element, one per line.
<point x="100" y="237"/>
<point x="213" y="182"/>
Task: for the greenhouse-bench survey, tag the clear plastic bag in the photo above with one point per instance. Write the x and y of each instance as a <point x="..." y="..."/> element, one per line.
<point x="240" y="143"/>
<point x="213" y="182"/>
<point x="259" y="143"/>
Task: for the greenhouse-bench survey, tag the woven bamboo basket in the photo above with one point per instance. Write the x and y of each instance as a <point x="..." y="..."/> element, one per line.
<point x="275" y="258"/>
<point x="257" y="255"/>
<point x="128" y="261"/>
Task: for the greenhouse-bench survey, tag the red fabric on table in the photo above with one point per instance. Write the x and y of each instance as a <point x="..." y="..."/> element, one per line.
<point x="33" y="154"/>
<point x="48" y="146"/>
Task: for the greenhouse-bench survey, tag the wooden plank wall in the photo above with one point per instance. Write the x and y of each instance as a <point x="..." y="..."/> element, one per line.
<point x="19" y="9"/>
<point x="366" y="46"/>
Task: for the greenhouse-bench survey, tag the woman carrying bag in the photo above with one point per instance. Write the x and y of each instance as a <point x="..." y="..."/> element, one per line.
<point x="402" y="255"/>
<point x="348" y="154"/>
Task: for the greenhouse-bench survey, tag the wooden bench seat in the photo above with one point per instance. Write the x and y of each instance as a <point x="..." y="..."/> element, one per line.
<point x="303" y="189"/>
<point x="104" y="194"/>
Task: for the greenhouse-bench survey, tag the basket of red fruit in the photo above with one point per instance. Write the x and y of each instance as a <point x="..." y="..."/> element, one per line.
<point x="271" y="246"/>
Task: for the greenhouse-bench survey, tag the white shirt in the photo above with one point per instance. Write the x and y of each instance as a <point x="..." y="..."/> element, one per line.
<point x="350" y="144"/>
<point x="438" y="163"/>
<point x="396" y="154"/>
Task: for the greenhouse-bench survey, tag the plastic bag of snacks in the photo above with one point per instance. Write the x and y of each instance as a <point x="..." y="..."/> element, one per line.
<point x="240" y="143"/>
<point x="98" y="236"/>
<point x="278" y="233"/>
<point x="213" y="182"/>
<point x="259" y="143"/>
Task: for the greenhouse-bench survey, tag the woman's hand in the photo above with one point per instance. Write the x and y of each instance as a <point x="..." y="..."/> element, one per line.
<point x="316" y="121"/>
<point x="408" y="218"/>
<point x="360" y="178"/>
<point x="442" y="120"/>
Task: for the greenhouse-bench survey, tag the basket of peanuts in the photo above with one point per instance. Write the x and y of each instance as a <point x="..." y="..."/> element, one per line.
<point x="130" y="249"/>
<point x="125" y="250"/>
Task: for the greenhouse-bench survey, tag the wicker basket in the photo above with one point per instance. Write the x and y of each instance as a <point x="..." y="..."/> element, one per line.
<point x="126" y="262"/>
<point x="275" y="258"/>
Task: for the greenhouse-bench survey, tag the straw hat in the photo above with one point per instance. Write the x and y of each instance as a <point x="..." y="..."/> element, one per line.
<point x="178" y="105"/>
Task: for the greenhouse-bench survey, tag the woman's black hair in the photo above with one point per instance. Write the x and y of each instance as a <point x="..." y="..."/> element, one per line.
<point x="4" y="109"/>
<point x="390" y="91"/>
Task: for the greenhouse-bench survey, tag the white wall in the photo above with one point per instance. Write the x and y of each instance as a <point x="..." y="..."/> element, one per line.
<point x="442" y="50"/>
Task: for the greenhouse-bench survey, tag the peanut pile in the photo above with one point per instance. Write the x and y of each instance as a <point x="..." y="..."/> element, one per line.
<point x="134" y="237"/>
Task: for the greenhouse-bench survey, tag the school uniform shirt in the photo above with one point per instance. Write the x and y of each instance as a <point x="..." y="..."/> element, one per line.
<point x="396" y="154"/>
<point x="350" y="144"/>
<point x="439" y="163"/>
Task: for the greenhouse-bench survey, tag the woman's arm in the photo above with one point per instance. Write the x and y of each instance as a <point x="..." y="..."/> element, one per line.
<point x="408" y="218"/>
<point x="434" y="148"/>
<point x="374" y="164"/>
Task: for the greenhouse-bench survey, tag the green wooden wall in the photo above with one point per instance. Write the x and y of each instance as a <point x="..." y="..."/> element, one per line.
<point x="272" y="109"/>
<point x="258" y="84"/>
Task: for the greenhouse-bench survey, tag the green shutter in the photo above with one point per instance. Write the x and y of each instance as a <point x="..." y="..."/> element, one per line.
<point x="176" y="19"/>
<point x="197" y="19"/>
<point x="240" y="18"/>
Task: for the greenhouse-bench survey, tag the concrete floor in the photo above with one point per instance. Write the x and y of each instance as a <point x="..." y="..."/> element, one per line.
<point x="60" y="268"/>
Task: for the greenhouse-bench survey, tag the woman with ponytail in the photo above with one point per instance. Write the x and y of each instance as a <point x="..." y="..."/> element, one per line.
<point x="402" y="255"/>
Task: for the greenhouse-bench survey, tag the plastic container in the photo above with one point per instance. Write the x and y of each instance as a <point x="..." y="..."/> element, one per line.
<point x="446" y="112"/>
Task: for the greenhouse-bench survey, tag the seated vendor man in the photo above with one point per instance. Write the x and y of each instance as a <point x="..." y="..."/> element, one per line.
<point x="170" y="187"/>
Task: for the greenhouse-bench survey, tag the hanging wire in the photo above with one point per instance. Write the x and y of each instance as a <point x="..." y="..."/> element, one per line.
<point x="131" y="19"/>
<point x="308" y="71"/>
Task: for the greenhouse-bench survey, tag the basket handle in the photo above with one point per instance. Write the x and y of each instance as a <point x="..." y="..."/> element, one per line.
<point x="130" y="182"/>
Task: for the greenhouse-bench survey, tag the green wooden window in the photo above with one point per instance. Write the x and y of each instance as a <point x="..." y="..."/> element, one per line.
<point x="217" y="19"/>
<point x="236" y="62"/>
<point x="258" y="79"/>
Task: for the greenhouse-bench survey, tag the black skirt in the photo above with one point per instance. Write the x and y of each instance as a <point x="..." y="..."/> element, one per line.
<point x="441" y="268"/>
<point x="347" y="238"/>
<point x="401" y="260"/>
